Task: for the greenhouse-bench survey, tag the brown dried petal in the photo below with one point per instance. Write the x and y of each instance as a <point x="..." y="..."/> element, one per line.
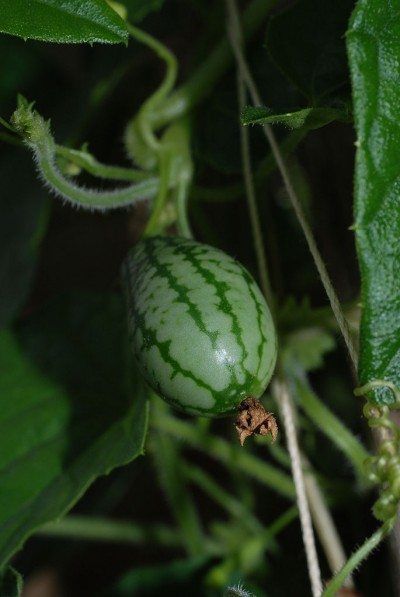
<point x="253" y="418"/>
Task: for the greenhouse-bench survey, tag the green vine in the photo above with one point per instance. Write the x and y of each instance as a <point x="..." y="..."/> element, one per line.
<point x="36" y="134"/>
<point x="357" y="558"/>
<point x="141" y="142"/>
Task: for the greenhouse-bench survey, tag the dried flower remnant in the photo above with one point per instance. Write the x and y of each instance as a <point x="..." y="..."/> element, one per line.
<point x="254" y="418"/>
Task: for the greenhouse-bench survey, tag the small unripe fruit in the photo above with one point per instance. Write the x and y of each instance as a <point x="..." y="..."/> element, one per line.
<point x="200" y="329"/>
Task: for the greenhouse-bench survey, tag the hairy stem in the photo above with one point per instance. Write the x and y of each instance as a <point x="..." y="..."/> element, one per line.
<point x="90" y="198"/>
<point x="205" y="77"/>
<point x="37" y="136"/>
<point x="356" y="559"/>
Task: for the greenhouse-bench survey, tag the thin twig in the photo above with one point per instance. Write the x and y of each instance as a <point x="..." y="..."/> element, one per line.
<point x="251" y="200"/>
<point x="281" y="394"/>
<point x="325" y="526"/>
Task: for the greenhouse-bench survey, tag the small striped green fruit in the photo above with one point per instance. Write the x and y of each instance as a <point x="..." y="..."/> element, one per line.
<point x="200" y="329"/>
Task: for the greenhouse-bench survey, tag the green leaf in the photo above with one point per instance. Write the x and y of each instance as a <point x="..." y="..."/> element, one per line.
<point x="374" y="51"/>
<point x="11" y="583"/>
<point x="70" y="21"/>
<point x="309" y="118"/>
<point x="23" y="218"/>
<point x="307" y="347"/>
<point x="306" y="42"/>
<point x="69" y="410"/>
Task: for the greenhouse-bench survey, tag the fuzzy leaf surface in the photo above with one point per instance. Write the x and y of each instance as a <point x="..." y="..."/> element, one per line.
<point x="374" y="55"/>
<point x="65" y="21"/>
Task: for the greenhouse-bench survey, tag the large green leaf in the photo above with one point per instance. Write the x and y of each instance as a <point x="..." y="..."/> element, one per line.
<point x="306" y="42"/>
<point x="66" y="21"/>
<point x="69" y="411"/>
<point x="307" y="347"/>
<point x="374" y="55"/>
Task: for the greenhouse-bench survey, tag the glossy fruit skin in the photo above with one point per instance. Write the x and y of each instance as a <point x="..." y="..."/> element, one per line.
<point x="200" y="329"/>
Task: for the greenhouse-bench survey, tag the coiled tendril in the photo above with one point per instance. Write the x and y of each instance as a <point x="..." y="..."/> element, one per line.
<point x="384" y="467"/>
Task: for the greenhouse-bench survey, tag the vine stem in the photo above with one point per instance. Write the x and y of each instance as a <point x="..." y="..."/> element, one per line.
<point x="231" y="504"/>
<point x="203" y="81"/>
<point x="85" y="160"/>
<point x="282" y="397"/>
<point x="308" y="234"/>
<point x="355" y="560"/>
<point x="161" y="92"/>
<point x="182" y="196"/>
<point x="36" y="134"/>
<point x="257" y="235"/>
<point x="75" y="526"/>
<point x="329" y="424"/>
<point x="164" y="54"/>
